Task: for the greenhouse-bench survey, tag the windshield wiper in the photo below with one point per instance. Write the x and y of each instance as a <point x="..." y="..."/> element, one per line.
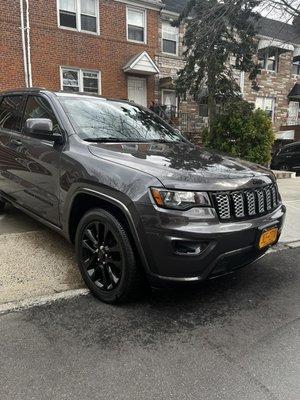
<point x="109" y="140"/>
<point x="165" y="141"/>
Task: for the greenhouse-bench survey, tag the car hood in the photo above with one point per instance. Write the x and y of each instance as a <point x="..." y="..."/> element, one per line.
<point x="184" y="166"/>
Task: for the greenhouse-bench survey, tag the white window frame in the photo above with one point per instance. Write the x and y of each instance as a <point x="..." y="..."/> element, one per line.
<point x="80" y="78"/>
<point x="162" y="41"/>
<point x="144" y="11"/>
<point x="273" y="105"/>
<point x="78" y="19"/>
<point x="266" y="54"/>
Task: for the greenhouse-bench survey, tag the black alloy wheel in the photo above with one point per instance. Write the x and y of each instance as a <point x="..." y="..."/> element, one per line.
<point x="105" y="257"/>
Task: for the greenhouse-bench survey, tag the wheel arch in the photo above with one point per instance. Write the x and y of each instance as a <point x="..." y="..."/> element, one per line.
<point x="88" y="199"/>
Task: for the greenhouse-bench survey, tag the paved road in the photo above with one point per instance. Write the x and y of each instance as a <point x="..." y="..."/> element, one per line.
<point x="235" y="338"/>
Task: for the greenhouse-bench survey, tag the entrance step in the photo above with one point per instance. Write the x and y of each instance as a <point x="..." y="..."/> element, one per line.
<point x="284" y="174"/>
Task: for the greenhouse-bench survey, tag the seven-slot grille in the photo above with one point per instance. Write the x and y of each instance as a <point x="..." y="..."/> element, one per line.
<point x="246" y="203"/>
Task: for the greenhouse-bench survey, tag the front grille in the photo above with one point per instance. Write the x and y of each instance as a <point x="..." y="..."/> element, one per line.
<point x="246" y="203"/>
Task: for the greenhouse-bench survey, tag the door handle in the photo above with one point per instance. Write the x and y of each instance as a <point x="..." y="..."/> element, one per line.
<point x="16" y="142"/>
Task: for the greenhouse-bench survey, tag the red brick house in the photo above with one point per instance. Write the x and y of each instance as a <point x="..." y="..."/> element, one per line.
<point x="99" y="46"/>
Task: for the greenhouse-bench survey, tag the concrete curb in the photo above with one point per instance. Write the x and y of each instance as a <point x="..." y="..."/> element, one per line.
<point x="284" y="174"/>
<point x="41" y="300"/>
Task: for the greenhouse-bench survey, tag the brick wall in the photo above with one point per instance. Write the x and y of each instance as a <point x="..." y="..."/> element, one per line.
<point x="52" y="47"/>
<point x="11" y="58"/>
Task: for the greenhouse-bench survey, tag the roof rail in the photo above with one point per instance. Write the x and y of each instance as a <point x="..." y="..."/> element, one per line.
<point x="16" y="90"/>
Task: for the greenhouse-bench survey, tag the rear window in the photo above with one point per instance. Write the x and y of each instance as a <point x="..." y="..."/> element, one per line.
<point x="10" y="113"/>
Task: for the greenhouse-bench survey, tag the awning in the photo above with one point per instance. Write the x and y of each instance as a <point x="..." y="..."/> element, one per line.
<point x="141" y="64"/>
<point x="166" y="83"/>
<point x="266" y="43"/>
<point x="295" y="92"/>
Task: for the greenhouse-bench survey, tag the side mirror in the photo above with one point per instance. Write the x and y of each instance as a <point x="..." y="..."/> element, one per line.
<point x="42" y="128"/>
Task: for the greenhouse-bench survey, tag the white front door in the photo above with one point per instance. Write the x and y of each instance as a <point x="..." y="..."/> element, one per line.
<point x="137" y="90"/>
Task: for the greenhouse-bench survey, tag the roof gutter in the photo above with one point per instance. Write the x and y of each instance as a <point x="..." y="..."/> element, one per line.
<point x="28" y="44"/>
<point x="23" y="43"/>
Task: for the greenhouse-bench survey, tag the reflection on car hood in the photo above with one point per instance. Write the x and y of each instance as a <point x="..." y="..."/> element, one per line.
<point x="181" y="165"/>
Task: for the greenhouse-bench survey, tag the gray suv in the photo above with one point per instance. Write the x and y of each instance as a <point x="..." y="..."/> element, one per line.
<point x="138" y="201"/>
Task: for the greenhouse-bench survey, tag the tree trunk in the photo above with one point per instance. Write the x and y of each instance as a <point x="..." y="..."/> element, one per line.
<point x="211" y="86"/>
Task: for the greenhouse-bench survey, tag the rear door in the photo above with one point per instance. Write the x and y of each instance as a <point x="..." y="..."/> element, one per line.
<point x="11" y="107"/>
<point x="36" y="169"/>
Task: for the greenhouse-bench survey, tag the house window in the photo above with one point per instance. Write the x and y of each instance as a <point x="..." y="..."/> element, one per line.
<point x="78" y="80"/>
<point x="266" y="104"/>
<point x="136" y="25"/>
<point x="296" y="67"/>
<point x="170" y="38"/>
<point x="268" y="59"/>
<point x="82" y="15"/>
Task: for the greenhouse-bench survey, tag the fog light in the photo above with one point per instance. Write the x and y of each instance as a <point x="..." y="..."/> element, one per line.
<point x="188" y="248"/>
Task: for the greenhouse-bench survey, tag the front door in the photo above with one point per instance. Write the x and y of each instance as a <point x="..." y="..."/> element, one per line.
<point x="35" y="173"/>
<point x="10" y="121"/>
<point x="137" y="90"/>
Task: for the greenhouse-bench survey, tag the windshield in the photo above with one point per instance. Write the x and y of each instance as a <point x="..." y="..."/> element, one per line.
<point x="96" y="119"/>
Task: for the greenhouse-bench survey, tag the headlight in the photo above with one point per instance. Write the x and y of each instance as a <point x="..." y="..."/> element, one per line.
<point x="179" y="200"/>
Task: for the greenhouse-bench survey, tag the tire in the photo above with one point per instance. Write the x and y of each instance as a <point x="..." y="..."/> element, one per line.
<point x="106" y="258"/>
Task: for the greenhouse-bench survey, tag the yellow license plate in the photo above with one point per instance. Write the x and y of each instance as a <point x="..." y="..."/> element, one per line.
<point x="268" y="237"/>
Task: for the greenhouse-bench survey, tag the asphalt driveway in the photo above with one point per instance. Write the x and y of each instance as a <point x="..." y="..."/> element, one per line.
<point x="234" y="338"/>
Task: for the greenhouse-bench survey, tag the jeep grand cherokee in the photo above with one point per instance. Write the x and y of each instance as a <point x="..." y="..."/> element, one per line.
<point x="133" y="195"/>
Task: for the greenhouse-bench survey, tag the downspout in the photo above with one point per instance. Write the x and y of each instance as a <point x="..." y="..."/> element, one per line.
<point x="28" y="45"/>
<point x="23" y="43"/>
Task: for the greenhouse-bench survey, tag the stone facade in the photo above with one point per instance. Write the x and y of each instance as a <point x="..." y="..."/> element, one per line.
<point x="276" y="85"/>
<point x="188" y="119"/>
<point x="270" y="84"/>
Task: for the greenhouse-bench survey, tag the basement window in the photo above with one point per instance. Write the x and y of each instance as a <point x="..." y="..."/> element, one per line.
<point x="79" y="80"/>
<point x="80" y="15"/>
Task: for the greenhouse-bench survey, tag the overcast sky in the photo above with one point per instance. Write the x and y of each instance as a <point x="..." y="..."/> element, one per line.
<point x="271" y="10"/>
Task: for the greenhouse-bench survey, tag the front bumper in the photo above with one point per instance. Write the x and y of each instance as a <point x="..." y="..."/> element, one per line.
<point x="225" y="246"/>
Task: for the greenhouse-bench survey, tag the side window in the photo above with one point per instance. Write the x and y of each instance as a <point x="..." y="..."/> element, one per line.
<point x="10" y="113"/>
<point x="38" y="107"/>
